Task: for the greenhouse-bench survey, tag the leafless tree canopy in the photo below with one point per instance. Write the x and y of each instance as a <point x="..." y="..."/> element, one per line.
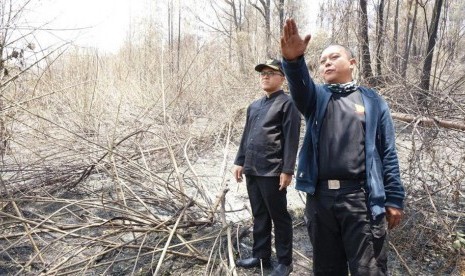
<point x="120" y="163"/>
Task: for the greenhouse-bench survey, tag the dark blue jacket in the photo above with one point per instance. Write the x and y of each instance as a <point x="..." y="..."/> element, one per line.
<point x="382" y="166"/>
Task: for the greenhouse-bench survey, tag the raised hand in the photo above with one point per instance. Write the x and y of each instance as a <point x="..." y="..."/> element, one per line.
<point x="292" y="45"/>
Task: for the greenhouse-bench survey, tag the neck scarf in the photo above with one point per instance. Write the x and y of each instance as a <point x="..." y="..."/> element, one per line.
<point x="342" y="88"/>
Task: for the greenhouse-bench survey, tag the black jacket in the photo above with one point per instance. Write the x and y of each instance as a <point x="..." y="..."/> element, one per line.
<point x="271" y="136"/>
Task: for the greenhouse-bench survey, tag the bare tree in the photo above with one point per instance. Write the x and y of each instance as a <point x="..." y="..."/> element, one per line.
<point x="171" y="33"/>
<point x="281" y="15"/>
<point x="395" y="35"/>
<point x="12" y="59"/>
<point x="179" y="37"/>
<point x="141" y="157"/>
<point x="367" y="72"/>
<point x="236" y="18"/>
<point x="265" y="11"/>
<point x="380" y="38"/>
<point x="231" y="22"/>
<point x="433" y="29"/>
<point x="237" y="13"/>
<point x="409" y="31"/>
<point x="336" y="16"/>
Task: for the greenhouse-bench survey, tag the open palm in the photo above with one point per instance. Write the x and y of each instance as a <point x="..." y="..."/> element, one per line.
<point x="292" y="45"/>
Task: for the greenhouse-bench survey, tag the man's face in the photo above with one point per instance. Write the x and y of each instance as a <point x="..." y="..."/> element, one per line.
<point x="336" y="65"/>
<point x="271" y="80"/>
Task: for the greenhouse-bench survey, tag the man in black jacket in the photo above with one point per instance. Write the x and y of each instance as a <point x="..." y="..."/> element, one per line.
<point x="348" y="164"/>
<point x="267" y="156"/>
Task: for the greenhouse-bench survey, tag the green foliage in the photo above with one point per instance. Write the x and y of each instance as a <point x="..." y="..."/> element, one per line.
<point x="459" y="241"/>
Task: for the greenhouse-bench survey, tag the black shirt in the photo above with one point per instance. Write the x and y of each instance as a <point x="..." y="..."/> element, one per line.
<point x="341" y="151"/>
<point x="271" y="136"/>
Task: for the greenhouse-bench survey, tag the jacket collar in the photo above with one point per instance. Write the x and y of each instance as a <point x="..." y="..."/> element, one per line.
<point x="274" y="95"/>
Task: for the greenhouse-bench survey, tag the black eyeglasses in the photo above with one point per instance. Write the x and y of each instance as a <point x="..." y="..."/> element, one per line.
<point x="269" y="73"/>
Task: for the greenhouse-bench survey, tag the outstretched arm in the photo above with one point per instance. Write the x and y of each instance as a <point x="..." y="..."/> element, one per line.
<point x="301" y="84"/>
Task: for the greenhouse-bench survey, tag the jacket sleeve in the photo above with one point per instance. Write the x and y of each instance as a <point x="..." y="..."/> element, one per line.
<point x="301" y="85"/>
<point x="240" y="156"/>
<point x="291" y="134"/>
<point x="393" y="187"/>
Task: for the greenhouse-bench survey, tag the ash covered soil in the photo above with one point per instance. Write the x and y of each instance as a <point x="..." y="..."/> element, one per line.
<point x="400" y="262"/>
<point x="237" y="203"/>
<point x="301" y="243"/>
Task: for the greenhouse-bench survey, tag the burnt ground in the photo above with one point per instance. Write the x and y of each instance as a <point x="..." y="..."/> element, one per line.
<point x="302" y="252"/>
<point x="420" y="246"/>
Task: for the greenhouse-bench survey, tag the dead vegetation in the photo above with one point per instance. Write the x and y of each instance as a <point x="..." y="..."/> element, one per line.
<point x="119" y="164"/>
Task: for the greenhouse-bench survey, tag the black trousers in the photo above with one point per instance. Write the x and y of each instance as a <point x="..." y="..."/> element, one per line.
<point x="269" y="206"/>
<point x="344" y="235"/>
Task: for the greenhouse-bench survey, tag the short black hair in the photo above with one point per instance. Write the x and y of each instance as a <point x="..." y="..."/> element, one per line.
<point x="349" y="51"/>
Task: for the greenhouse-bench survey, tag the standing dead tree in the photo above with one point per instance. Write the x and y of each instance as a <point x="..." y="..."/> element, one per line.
<point x="231" y="22"/>
<point x="265" y="11"/>
<point x="366" y="70"/>
<point x="432" y="34"/>
<point x="409" y="31"/>
<point x="380" y="38"/>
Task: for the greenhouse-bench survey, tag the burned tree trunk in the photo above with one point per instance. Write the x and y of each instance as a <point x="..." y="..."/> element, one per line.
<point x="425" y="74"/>
<point x="395" y="57"/>
<point x="380" y="38"/>
<point x="265" y="11"/>
<point x="367" y="72"/>
<point x="409" y="30"/>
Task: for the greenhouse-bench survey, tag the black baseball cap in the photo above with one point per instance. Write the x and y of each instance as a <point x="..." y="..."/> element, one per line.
<point x="271" y="63"/>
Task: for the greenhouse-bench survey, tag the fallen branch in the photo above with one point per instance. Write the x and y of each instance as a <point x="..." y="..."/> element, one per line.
<point x="401" y="259"/>
<point x="429" y="122"/>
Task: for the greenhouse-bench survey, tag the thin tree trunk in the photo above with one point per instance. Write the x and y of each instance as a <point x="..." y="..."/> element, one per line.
<point x="268" y="26"/>
<point x="230" y="42"/>
<point x="3" y="72"/>
<point x="425" y="74"/>
<point x="266" y="13"/>
<point x="395" y="57"/>
<point x="411" y="22"/>
<point x="234" y="31"/>
<point x="179" y="37"/>
<point x="281" y="16"/>
<point x="403" y="67"/>
<point x="380" y="39"/>
<point x="367" y="72"/>
<point x="170" y="34"/>
<point x="443" y="44"/>
<point x="387" y="14"/>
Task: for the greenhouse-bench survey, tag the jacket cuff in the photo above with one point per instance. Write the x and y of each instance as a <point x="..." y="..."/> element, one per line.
<point x="395" y="202"/>
<point x="291" y="172"/>
<point x="293" y="64"/>
<point x="239" y="160"/>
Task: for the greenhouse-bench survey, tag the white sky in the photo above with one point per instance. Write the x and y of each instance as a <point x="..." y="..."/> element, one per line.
<point x="97" y="23"/>
<point x="103" y="24"/>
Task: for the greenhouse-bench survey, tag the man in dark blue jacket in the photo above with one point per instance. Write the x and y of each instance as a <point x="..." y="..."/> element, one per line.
<point x="348" y="164"/>
<point x="267" y="156"/>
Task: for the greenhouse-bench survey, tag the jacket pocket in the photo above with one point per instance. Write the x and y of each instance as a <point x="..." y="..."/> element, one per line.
<point x="249" y="160"/>
<point x="269" y="158"/>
